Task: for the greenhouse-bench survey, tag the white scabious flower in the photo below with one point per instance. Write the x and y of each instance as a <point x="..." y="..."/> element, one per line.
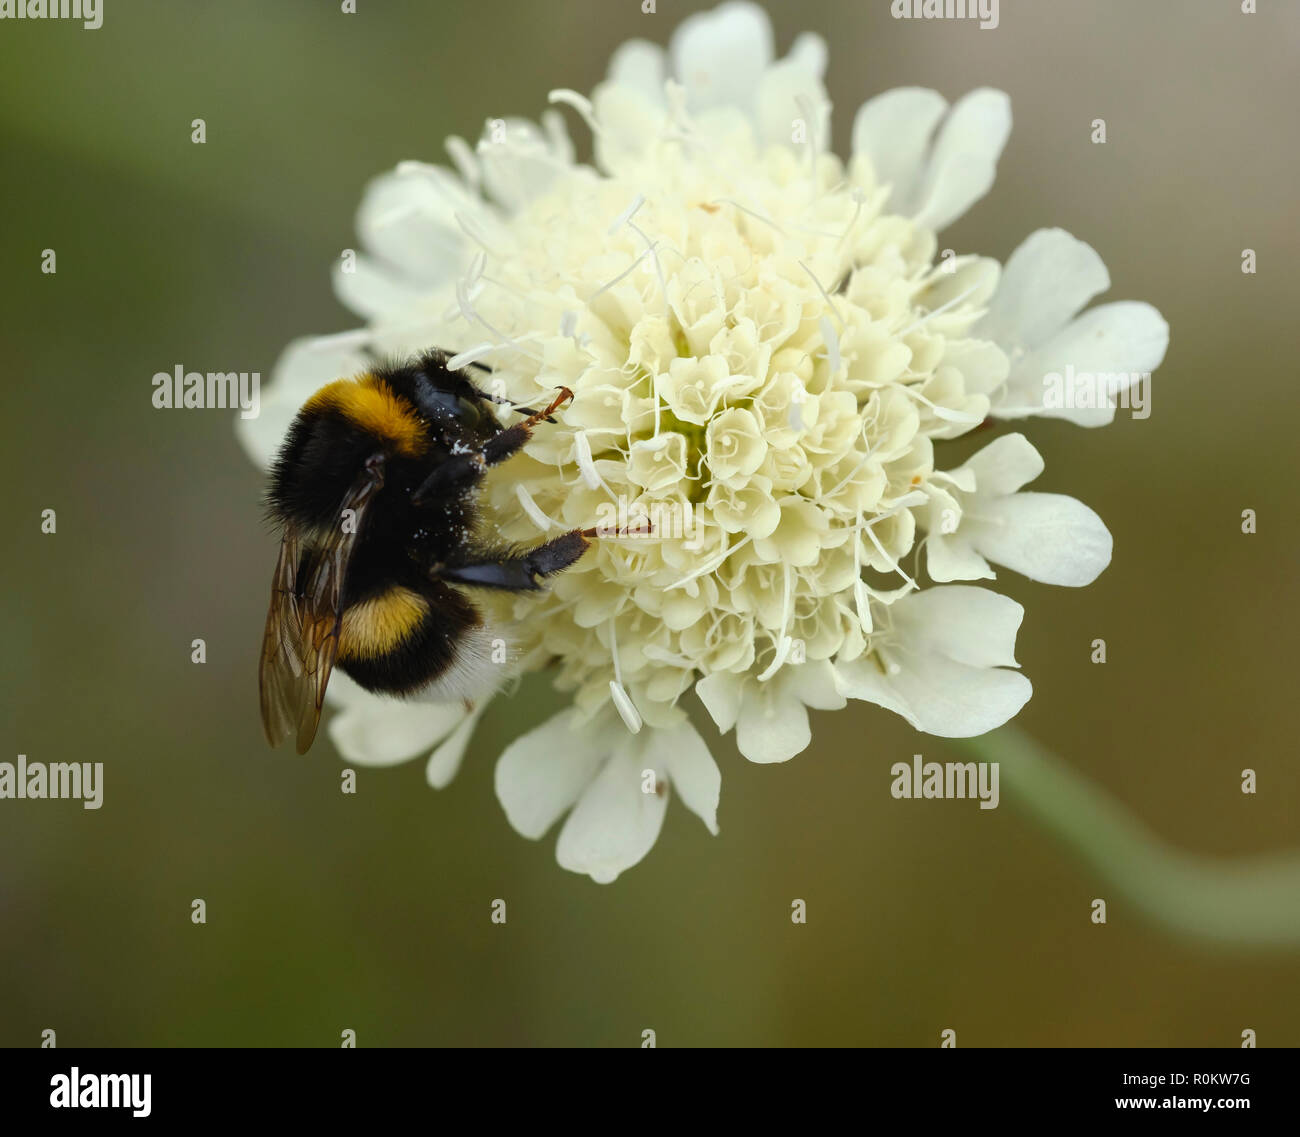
<point x="763" y="352"/>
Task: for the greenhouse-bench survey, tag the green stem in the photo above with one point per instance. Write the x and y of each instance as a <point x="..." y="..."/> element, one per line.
<point x="1246" y="900"/>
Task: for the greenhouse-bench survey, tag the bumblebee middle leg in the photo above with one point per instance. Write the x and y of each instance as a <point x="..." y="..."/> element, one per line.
<point x="522" y="573"/>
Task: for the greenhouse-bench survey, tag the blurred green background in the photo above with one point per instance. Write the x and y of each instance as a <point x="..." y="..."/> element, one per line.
<point x="371" y="912"/>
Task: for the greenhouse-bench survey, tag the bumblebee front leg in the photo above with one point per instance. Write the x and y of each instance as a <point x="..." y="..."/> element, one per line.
<point x="461" y="469"/>
<point x="502" y="445"/>
<point x="521" y="573"/>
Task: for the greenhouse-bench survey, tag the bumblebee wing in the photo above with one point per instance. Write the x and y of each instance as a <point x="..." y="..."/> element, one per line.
<point x="281" y="670"/>
<point x="302" y="626"/>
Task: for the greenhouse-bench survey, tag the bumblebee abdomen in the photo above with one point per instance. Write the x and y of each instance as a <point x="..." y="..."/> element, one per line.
<point x="400" y="642"/>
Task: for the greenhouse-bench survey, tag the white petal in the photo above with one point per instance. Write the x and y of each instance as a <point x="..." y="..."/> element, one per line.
<point x="950" y="557"/>
<point x="640" y="66"/>
<point x="408" y="221"/>
<point x="893" y="130"/>
<point x="970" y="625"/>
<point x="1045" y="536"/>
<point x="614" y="823"/>
<point x="373" y="289"/>
<point x="964" y="163"/>
<point x="721" y="693"/>
<point x="788" y="91"/>
<point x="720" y="55"/>
<point x="542" y="773"/>
<point x="384" y="732"/>
<point x="813" y="684"/>
<point x="691" y="769"/>
<point x="1122" y="340"/>
<point x="444" y="762"/>
<point x="1049" y="278"/>
<point x="520" y="164"/>
<point x="1004" y="465"/>
<point x="773" y="725"/>
<point x="808" y="52"/>
<point x="940" y="696"/>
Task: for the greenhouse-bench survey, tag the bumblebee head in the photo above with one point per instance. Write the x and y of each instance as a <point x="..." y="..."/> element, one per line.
<point x="341" y="428"/>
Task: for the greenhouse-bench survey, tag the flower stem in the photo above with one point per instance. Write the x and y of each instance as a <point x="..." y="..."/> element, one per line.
<point x="1243" y="901"/>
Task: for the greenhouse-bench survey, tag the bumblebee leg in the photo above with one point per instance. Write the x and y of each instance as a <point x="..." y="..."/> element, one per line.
<point x="521" y="573"/>
<point x="513" y="437"/>
<point x="447" y="475"/>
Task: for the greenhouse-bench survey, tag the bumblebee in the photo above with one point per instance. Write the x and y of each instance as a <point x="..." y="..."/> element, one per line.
<point x="375" y="492"/>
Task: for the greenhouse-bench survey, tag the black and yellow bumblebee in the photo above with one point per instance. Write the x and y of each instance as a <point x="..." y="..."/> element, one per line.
<point x="375" y="493"/>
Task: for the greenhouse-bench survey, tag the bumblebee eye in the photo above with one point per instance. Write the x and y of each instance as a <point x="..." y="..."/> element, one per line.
<point x="443" y="404"/>
<point x="469" y="412"/>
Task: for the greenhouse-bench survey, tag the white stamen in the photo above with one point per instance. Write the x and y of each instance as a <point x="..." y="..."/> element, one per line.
<point x="586" y="463"/>
<point x="533" y="510"/>
<point x="626" y="708"/>
<point x="862" y="602"/>
<point x="470" y="355"/>
<point x="893" y="564"/>
<point x="743" y="209"/>
<point x="621" y="275"/>
<point x="825" y="295"/>
<point x="832" y="344"/>
<point x="627" y="214"/>
<point x="858" y="197"/>
<point x="939" y="310"/>
<point x="941" y="412"/>
<point x="580" y="103"/>
<point x="708" y="568"/>
<point x="784" y="643"/>
<point x="622" y="701"/>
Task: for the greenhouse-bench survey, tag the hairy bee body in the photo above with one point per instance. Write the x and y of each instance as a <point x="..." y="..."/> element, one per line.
<point x="375" y="488"/>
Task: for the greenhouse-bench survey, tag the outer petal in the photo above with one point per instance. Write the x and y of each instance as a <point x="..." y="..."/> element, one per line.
<point x="691" y="769"/>
<point x="614" y="823"/>
<point x="373" y="288"/>
<point x="808" y="52"/>
<point x="967" y="624"/>
<point x="893" y="130"/>
<point x="542" y="773"/>
<point x="384" y="732"/>
<point x="940" y="696"/>
<point x="787" y="91"/>
<point x="720" y="55"/>
<point x="640" y="66"/>
<point x="444" y="762"/>
<point x="1123" y="340"/>
<point x="520" y="166"/>
<point x="1049" y="278"/>
<point x="965" y="159"/>
<point x="813" y="684"/>
<point x="773" y="724"/>
<point x="1045" y="536"/>
<point x="1003" y="466"/>
<point x="952" y="558"/>
<point x="721" y="694"/>
<point x="408" y="222"/>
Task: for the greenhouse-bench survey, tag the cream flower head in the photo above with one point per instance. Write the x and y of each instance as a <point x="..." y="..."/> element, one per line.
<point x="764" y="350"/>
